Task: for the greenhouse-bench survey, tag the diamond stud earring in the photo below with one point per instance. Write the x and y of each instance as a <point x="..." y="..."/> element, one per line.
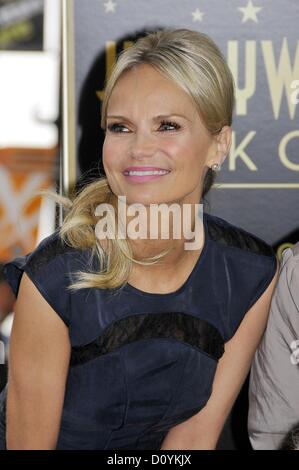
<point x="216" y="167"/>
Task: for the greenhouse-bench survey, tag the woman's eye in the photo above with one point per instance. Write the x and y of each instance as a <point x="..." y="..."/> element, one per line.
<point x="169" y="126"/>
<point x="165" y="126"/>
<point x="117" y="128"/>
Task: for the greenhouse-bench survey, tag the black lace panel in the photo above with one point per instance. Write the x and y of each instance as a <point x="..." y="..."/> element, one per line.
<point x="44" y="255"/>
<point x="234" y="236"/>
<point x="180" y="326"/>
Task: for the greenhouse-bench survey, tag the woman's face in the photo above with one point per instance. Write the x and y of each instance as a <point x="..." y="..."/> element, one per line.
<point x="152" y="124"/>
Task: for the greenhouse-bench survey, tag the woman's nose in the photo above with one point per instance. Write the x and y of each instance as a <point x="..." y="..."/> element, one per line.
<point x="142" y="145"/>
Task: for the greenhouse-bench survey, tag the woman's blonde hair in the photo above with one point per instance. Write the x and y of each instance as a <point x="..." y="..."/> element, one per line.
<point x="194" y="62"/>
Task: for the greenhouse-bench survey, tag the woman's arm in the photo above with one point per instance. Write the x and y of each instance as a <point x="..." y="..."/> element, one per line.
<point x="39" y="353"/>
<point x="202" y="430"/>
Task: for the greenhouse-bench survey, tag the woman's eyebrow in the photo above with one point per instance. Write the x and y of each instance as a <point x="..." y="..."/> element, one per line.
<point x="167" y="116"/>
<point x="156" y="118"/>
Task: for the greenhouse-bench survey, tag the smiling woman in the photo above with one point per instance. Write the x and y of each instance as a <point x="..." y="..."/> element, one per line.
<point x="141" y="343"/>
<point x="168" y="105"/>
<point x="141" y="140"/>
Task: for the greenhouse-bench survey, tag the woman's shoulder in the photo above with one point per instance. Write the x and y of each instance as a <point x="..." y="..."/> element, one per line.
<point x="48" y="250"/>
<point x="50" y="254"/>
<point x="49" y="266"/>
<point x="230" y="235"/>
<point x="244" y="263"/>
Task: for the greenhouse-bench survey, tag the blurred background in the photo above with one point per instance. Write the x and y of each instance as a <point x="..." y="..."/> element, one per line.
<point x="30" y="76"/>
<point x="54" y="58"/>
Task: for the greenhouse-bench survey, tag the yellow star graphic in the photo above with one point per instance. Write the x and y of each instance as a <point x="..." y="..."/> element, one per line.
<point x="249" y="12"/>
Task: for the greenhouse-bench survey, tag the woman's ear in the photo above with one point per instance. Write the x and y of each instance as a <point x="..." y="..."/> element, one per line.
<point x="223" y="143"/>
<point x="220" y="147"/>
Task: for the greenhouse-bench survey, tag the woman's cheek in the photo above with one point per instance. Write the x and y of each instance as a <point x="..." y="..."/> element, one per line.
<point x="110" y="153"/>
<point x="176" y="144"/>
<point x="171" y="148"/>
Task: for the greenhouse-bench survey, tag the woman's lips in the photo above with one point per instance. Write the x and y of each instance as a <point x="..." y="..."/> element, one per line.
<point x="143" y="178"/>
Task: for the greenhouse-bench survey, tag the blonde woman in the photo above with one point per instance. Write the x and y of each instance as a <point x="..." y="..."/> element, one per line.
<point x="140" y="343"/>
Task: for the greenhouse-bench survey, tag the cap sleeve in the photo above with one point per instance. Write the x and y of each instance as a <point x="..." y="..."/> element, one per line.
<point x="253" y="274"/>
<point x="47" y="268"/>
<point x="263" y="279"/>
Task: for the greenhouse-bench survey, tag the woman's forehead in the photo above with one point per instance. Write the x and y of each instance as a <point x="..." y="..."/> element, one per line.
<point x="143" y="76"/>
<point x="147" y="87"/>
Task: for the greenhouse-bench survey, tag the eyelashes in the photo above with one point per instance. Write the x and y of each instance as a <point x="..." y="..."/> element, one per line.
<point x="171" y="124"/>
<point x="167" y="126"/>
<point x="115" y="127"/>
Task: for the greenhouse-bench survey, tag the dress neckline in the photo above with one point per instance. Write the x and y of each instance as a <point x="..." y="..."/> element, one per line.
<point x="128" y="287"/>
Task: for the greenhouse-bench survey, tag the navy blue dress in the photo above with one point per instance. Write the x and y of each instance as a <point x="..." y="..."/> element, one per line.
<point x="143" y="362"/>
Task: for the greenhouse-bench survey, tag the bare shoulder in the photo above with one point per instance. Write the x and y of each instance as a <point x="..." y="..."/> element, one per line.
<point x="31" y="306"/>
<point x="38" y="334"/>
<point x="39" y="355"/>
